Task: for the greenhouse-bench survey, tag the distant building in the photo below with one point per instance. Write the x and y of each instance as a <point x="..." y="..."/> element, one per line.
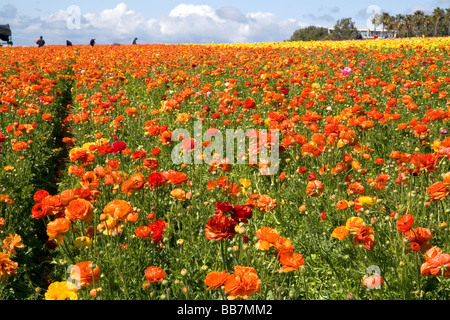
<point x="369" y="32"/>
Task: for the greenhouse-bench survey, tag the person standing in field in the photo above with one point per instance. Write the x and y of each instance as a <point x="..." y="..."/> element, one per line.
<point x="134" y="41"/>
<point x="92" y="43"/>
<point x="40" y="42"/>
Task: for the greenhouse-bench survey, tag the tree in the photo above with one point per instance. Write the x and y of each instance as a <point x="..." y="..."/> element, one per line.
<point x="344" y="29"/>
<point x="418" y="20"/>
<point x="447" y="14"/>
<point x="438" y="15"/>
<point x="376" y="20"/>
<point x="309" y="33"/>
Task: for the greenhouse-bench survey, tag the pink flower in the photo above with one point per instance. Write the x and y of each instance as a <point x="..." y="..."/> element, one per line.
<point x="118" y="146"/>
<point x="346" y="71"/>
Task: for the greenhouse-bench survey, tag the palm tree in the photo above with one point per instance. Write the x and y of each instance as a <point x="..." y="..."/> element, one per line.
<point x="438" y="14"/>
<point x="427" y="21"/>
<point x="376" y="20"/>
<point x="418" y="21"/>
<point x="385" y="17"/>
<point x="400" y="24"/>
<point x="447" y="14"/>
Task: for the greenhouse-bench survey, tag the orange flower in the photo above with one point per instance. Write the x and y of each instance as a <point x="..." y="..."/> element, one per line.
<point x="436" y="264"/>
<point x="150" y="164"/>
<point x="57" y="228"/>
<point x="340" y="233"/>
<point x="7" y="266"/>
<point x="215" y="279"/>
<point x="40" y="195"/>
<point x="134" y="183"/>
<point x="175" y="177"/>
<point x="446" y="178"/>
<point x="405" y="223"/>
<point x="314" y="188"/>
<point x="365" y="236"/>
<point x="265" y="203"/>
<point x="353" y="224"/>
<point x="267" y="237"/>
<point x="283" y="245"/>
<point x="118" y="210"/>
<point x="438" y="191"/>
<point x="86" y="273"/>
<point x="178" y="194"/>
<point x="342" y="205"/>
<point x="80" y="209"/>
<point x="154" y="274"/>
<point x="355" y="188"/>
<point x="424" y="163"/>
<point x="11" y="242"/>
<point x="291" y="261"/>
<point x="419" y="238"/>
<point x="373" y="282"/>
<point x="67" y="196"/>
<point x="242" y="283"/>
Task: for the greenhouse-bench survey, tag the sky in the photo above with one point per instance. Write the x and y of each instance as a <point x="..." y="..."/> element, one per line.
<point x="188" y="21"/>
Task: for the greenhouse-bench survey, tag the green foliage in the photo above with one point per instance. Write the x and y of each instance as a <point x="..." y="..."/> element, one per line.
<point x="344" y="29"/>
<point x="310" y="33"/>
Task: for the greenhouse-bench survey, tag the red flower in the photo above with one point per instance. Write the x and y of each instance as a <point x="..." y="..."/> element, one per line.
<point x="366" y="236"/>
<point x="223" y="207"/>
<point x="156" y="179"/>
<point x="405" y="223"/>
<point x="220" y="228"/>
<point x="241" y="213"/>
<point x="373" y="282"/>
<point x="118" y="146"/>
<point x="154" y="274"/>
<point x="249" y="104"/>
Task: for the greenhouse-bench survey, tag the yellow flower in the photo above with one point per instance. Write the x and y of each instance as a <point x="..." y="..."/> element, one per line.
<point x="83" y="242"/>
<point x="183" y="118"/>
<point x="61" y="291"/>
<point x="8" y="168"/>
<point x="353" y="224"/>
<point x="87" y="145"/>
<point x="365" y="201"/>
<point x="245" y="183"/>
<point x="74" y="150"/>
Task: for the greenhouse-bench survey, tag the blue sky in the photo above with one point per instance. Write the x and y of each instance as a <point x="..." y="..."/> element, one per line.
<point x="188" y="21"/>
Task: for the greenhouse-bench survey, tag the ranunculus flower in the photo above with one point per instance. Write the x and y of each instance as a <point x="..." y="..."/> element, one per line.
<point x="154" y="274"/>
<point x="80" y="209"/>
<point x="86" y="273"/>
<point x="438" y="191"/>
<point x="118" y="146"/>
<point x="373" y="282"/>
<point x="215" y="279"/>
<point x="242" y="283"/>
<point x="156" y="179"/>
<point x="220" y="228"/>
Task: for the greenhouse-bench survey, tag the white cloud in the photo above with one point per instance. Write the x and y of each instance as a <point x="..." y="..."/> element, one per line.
<point x="186" y="23"/>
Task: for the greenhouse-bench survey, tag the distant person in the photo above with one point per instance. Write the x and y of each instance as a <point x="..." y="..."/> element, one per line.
<point x="359" y="36"/>
<point x="40" y="42"/>
<point x="92" y="43"/>
<point x="375" y="37"/>
<point x="134" y="41"/>
<point x="68" y="43"/>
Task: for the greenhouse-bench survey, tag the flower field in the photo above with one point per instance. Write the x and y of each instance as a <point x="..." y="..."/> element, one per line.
<point x="93" y="204"/>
